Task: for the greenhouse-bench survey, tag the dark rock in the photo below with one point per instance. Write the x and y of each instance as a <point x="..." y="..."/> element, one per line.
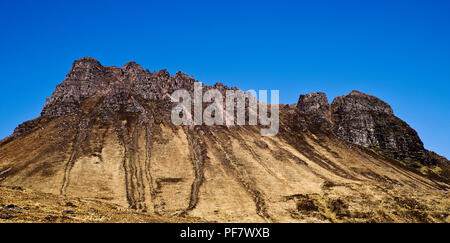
<point x="364" y="120"/>
<point x="307" y="205"/>
<point x="6" y="214"/>
<point x="358" y="102"/>
<point x="315" y="106"/>
<point x="13" y="208"/>
<point x="68" y="212"/>
<point x="69" y="204"/>
<point x="368" y="121"/>
<point x="15" y="188"/>
<point x="51" y="218"/>
<point x="339" y="208"/>
<point x="26" y="127"/>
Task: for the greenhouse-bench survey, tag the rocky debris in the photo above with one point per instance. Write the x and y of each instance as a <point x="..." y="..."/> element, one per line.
<point x="9" y="211"/>
<point x="339" y="208"/>
<point x="51" y="218"/>
<point x="71" y="212"/>
<point x="13" y="208"/>
<point x="305" y="204"/>
<point x="319" y="206"/>
<point x="70" y="204"/>
<point x="6" y="214"/>
<point x="15" y="188"/>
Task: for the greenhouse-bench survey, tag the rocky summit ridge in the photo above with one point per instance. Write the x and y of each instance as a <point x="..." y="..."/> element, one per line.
<point x="106" y="134"/>
<point x="365" y="120"/>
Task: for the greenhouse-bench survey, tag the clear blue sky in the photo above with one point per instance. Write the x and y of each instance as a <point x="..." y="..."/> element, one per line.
<point x="396" y="50"/>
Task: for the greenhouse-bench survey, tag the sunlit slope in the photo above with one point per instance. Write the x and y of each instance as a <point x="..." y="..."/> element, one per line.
<point x="220" y="174"/>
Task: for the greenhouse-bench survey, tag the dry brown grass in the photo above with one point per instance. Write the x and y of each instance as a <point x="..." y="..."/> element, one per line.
<point x="19" y="205"/>
<point x="208" y="174"/>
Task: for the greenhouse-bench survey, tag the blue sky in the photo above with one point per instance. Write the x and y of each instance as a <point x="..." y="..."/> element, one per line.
<point x="396" y="50"/>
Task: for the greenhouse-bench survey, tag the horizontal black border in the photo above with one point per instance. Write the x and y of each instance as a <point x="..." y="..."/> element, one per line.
<point x="277" y="232"/>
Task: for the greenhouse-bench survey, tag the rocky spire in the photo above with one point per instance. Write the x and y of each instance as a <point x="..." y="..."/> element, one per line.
<point x="315" y="106"/>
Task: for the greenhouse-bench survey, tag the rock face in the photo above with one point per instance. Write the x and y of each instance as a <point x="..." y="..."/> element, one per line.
<point x="106" y="134"/>
<point x="368" y="121"/>
<point x="89" y="79"/>
<point x="365" y="120"/>
<point x="316" y="107"/>
<point x="117" y="89"/>
<point x="357" y="102"/>
<point x="86" y="79"/>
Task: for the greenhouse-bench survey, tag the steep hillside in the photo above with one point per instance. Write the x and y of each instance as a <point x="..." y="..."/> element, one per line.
<point x="106" y="135"/>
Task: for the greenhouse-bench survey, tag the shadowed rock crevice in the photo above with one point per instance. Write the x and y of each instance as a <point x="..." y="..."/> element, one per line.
<point x="199" y="157"/>
<point x="80" y="137"/>
<point x="147" y="165"/>
<point x="128" y="131"/>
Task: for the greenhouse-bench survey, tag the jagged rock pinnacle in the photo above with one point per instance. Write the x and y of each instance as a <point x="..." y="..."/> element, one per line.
<point x="316" y="107"/>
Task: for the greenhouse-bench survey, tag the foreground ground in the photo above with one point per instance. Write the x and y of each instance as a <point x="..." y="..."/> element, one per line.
<point x="18" y="205"/>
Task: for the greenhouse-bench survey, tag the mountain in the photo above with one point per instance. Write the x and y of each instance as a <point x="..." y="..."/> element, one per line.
<point x="106" y="135"/>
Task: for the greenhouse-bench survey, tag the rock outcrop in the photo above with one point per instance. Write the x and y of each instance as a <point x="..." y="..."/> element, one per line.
<point x="368" y="121"/>
<point x="315" y="106"/>
<point x="365" y="120"/>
